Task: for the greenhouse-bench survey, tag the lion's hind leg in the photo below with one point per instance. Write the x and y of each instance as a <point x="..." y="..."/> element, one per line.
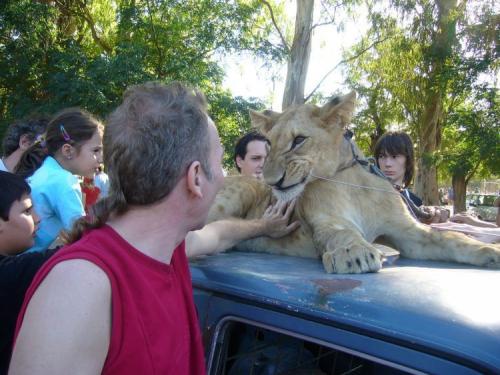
<point x="418" y="241"/>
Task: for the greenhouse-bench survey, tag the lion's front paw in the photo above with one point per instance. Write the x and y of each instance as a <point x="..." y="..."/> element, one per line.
<point x="355" y="259"/>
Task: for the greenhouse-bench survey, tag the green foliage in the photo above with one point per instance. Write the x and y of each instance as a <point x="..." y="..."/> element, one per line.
<point x="59" y="54"/>
<point x="472" y="136"/>
<point x="378" y="77"/>
<point x="231" y="115"/>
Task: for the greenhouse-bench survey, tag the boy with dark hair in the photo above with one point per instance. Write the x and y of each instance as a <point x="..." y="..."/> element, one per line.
<point x="18" y="223"/>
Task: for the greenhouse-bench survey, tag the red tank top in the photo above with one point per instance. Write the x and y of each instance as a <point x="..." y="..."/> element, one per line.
<point x="154" y="323"/>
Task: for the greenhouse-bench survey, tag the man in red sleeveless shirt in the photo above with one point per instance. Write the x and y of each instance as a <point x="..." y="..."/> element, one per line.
<point x="118" y="300"/>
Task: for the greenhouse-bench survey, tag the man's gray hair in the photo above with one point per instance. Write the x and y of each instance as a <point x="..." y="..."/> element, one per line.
<point x="152" y="138"/>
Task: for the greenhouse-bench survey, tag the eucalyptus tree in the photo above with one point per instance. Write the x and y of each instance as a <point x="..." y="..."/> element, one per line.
<point x="432" y="52"/>
<point x="296" y="45"/>
<point x="471" y="141"/>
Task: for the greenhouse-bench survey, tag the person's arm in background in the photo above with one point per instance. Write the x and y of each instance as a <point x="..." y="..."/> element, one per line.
<point x="483" y="234"/>
<point x="224" y="234"/>
<point x="437" y="214"/>
<point x="427" y="214"/>
<point x="471" y="220"/>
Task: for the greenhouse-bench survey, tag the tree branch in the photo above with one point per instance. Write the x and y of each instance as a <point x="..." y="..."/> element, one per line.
<point x="327" y="11"/>
<point x="321" y="24"/>
<point x="472" y="172"/>
<point x="84" y="13"/>
<point x="159" y="67"/>
<point x="340" y="63"/>
<point x="283" y="40"/>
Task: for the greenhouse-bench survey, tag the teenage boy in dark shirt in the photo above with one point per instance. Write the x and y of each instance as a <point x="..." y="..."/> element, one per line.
<point x="18" y="223"/>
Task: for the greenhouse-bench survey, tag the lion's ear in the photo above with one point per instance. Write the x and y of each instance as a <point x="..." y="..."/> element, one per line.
<point x="339" y="110"/>
<point x="262" y="121"/>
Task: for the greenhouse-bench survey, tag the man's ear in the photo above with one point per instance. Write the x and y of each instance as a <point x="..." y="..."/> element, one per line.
<point x="238" y="161"/>
<point x="25" y="142"/>
<point x="194" y="180"/>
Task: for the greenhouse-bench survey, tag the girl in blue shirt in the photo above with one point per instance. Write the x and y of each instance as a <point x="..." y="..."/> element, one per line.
<point x="72" y="147"/>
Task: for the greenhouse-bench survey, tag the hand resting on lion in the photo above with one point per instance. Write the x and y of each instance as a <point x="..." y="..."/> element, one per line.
<point x="342" y="207"/>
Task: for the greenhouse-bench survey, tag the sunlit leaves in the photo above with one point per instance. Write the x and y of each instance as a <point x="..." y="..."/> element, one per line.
<point x="398" y="77"/>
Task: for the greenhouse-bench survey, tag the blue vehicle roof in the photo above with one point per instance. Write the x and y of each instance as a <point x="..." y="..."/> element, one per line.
<point x="437" y="307"/>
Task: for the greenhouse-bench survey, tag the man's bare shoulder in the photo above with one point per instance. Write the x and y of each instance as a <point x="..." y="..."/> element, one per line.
<point x="78" y="273"/>
<point x="67" y="323"/>
<point x="70" y="287"/>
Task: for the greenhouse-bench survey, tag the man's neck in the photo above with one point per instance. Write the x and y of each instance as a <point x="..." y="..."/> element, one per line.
<point x="154" y="230"/>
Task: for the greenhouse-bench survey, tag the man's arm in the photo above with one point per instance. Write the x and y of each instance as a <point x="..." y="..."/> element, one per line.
<point x="471" y="220"/>
<point x="66" y="327"/>
<point x="224" y="234"/>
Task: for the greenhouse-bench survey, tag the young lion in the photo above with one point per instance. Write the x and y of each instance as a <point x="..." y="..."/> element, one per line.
<point x="343" y="208"/>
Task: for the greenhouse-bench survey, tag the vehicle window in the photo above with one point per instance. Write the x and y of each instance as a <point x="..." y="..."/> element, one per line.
<point x="246" y="349"/>
<point x="488" y="200"/>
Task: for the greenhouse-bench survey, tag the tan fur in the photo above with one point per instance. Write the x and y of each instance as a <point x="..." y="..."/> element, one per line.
<point x="339" y="222"/>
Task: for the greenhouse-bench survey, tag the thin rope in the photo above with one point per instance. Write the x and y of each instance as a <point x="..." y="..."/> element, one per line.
<point x="358" y="186"/>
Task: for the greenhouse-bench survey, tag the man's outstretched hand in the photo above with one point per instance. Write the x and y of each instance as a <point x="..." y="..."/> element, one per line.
<point x="277" y="219"/>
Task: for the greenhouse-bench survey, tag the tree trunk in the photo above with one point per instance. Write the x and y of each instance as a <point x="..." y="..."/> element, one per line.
<point x="429" y="127"/>
<point x="373" y="107"/>
<point x="459" y="185"/>
<point x="298" y="61"/>
<point x="426" y="178"/>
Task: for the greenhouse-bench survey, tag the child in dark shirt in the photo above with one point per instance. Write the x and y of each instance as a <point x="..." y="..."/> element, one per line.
<point x="395" y="158"/>
<point x="18" y="223"/>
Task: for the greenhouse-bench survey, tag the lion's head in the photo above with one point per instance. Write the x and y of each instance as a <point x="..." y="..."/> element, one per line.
<point x="306" y="141"/>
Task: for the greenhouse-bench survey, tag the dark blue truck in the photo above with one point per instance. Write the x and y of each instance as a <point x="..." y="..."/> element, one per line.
<point x="268" y="314"/>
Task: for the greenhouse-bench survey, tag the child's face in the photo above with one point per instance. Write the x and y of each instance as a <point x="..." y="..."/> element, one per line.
<point x="16" y="234"/>
<point x="393" y="166"/>
<point x="89" y="157"/>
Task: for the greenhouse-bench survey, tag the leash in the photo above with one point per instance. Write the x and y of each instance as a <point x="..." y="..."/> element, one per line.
<point x="370" y="165"/>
